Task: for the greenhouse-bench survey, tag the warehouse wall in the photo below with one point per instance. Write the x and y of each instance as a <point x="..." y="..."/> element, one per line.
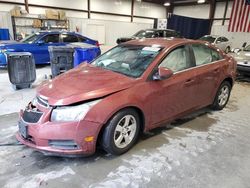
<point x="114" y="26"/>
<point x="202" y="11"/>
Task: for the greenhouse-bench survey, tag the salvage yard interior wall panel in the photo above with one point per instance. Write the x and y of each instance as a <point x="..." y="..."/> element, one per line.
<point x="76" y="4"/>
<point x="149" y="10"/>
<point x="111" y="6"/>
<point x="6" y="22"/>
<point x="97" y="32"/>
<point x="195" y="11"/>
<point x="113" y="29"/>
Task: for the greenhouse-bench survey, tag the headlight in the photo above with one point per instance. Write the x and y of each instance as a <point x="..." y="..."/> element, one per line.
<point x="72" y="113"/>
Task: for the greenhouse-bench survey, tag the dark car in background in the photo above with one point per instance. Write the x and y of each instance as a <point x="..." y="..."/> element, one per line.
<point x="150" y="33"/>
<point x="38" y="44"/>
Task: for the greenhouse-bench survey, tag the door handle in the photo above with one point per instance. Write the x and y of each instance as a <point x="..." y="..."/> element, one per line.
<point x="216" y="70"/>
<point x="189" y="81"/>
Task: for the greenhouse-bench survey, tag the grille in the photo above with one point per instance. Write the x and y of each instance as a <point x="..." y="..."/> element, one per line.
<point x="32" y="116"/>
<point x="43" y="102"/>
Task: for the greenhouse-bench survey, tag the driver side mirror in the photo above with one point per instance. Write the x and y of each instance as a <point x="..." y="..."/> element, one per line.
<point x="40" y="42"/>
<point x="163" y="73"/>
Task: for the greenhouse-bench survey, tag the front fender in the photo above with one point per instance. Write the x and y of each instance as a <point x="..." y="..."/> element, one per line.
<point x="110" y="105"/>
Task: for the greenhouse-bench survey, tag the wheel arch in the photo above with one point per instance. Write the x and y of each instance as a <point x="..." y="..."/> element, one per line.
<point x="136" y="108"/>
<point x="228" y="79"/>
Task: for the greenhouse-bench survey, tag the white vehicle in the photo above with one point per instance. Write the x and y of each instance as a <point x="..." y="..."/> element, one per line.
<point x="219" y="41"/>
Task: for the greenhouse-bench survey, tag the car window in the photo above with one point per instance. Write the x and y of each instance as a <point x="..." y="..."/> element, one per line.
<point x="202" y="54"/>
<point x="176" y="60"/>
<point x="69" y="38"/>
<point x="224" y="39"/>
<point x="170" y="34"/>
<point x="31" y="38"/>
<point x="208" y="38"/>
<point x="129" y="60"/>
<point x="160" y="34"/>
<point x="219" y="40"/>
<point x="81" y="39"/>
<point x="216" y="56"/>
<point x="145" y="33"/>
<point x="51" y="38"/>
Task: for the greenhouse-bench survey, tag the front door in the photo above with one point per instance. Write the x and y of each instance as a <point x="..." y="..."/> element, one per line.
<point x="40" y="51"/>
<point x="176" y="94"/>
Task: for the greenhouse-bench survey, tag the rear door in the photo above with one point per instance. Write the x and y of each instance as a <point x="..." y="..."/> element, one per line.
<point x="176" y="94"/>
<point x="69" y="38"/>
<point x="208" y="71"/>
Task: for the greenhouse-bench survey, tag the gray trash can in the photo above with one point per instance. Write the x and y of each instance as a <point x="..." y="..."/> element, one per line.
<point x="61" y="59"/>
<point x="21" y="69"/>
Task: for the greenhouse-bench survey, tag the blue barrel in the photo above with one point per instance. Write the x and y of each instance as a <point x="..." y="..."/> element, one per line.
<point x="85" y="52"/>
<point x="4" y="34"/>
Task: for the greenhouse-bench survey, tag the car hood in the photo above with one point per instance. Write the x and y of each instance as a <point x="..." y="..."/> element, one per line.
<point x="13" y="46"/>
<point x="242" y="55"/>
<point x="83" y="83"/>
<point x="3" y="42"/>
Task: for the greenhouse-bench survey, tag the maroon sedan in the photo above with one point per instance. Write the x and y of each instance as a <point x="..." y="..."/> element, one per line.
<point x="134" y="87"/>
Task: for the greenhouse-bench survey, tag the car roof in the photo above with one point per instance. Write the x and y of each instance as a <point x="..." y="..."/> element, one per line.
<point x="163" y="42"/>
<point x="58" y="32"/>
<point x="158" y="30"/>
<point x="215" y="36"/>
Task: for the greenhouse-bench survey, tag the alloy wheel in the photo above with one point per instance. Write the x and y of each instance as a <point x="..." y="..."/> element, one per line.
<point x="223" y="95"/>
<point x="125" y="131"/>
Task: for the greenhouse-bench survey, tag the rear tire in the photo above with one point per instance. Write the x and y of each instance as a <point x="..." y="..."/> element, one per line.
<point x="121" y="132"/>
<point x="222" y="96"/>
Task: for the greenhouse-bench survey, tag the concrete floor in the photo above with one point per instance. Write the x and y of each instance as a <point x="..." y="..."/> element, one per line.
<point x="205" y="149"/>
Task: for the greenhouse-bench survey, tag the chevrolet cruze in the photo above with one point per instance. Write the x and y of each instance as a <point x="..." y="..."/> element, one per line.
<point x="134" y="87"/>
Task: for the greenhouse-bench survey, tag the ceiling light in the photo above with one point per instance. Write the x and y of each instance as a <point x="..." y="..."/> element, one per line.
<point x="166" y="4"/>
<point x="201" y="1"/>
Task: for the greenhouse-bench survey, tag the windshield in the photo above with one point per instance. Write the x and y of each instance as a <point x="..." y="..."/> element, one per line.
<point x="247" y="48"/>
<point x="31" y="38"/>
<point x="143" y="33"/>
<point x="128" y="60"/>
<point x="208" y="39"/>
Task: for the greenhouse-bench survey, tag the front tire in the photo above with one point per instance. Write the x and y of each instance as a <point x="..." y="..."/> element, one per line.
<point x="222" y="96"/>
<point x="121" y="132"/>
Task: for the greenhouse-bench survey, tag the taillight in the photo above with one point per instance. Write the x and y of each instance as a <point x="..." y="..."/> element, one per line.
<point x="97" y="43"/>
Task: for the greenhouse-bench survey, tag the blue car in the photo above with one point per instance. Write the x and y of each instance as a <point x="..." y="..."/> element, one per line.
<point x="38" y="44"/>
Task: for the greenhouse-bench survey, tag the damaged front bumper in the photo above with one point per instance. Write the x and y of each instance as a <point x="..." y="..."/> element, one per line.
<point x="57" y="138"/>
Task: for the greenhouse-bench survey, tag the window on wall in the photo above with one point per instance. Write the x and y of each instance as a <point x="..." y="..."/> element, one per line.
<point x="176" y="60"/>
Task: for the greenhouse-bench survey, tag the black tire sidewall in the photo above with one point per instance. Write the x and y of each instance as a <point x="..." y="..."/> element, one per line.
<point x="108" y="134"/>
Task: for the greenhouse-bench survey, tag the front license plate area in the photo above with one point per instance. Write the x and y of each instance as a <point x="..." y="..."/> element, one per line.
<point x="23" y="130"/>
